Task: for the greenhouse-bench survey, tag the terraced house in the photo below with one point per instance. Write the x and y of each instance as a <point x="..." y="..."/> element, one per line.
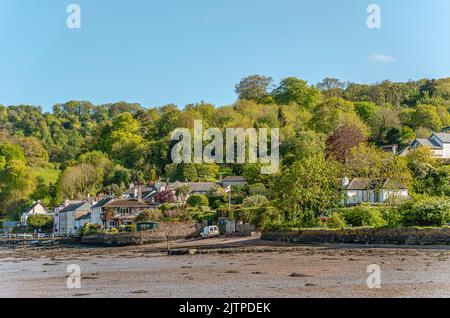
<point x="69" y="215"/>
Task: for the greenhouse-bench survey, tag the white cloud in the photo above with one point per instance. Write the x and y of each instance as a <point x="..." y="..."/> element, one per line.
<point x="382" y="58"/>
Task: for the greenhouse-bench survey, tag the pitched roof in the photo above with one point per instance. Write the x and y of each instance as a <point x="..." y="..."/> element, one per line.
<point x="234" y="179"/>
<point x="147" y="194"/>
<point x="143" y="189"/>
<point x="101" y="203"/>
<point x="444" y="137"/>
<point x="77" y="207"/>
<point x="428" y="143"/>
<point x="359" y="184"/>
<point x="35" y="205"/>
<point x="193" y="186"/>
<point x="391" y="184"/>
<point x="127" y="204"/>
<point x="367" y="184"/>
<point x="201" y="186"/>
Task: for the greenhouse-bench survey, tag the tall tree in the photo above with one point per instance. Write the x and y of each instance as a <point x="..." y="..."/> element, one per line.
<point x="254" y="87"/>
<point x="294" y="90"/>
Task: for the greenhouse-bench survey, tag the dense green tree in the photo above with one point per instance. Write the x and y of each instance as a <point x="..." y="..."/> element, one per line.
<point x="308" y="188"/>
<point x="40" y="222"/>
<point x="333" y="113"/>
<point x="294" y="90"/>
<point x="426" y="116"/>
<point x="366" y="110"/>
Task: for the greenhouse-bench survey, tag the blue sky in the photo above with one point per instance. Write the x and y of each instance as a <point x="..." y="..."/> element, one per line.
<point x="156" y="52"/>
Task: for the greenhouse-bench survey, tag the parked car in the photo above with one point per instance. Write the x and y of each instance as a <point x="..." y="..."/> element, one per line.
<point x="210" y="231"/>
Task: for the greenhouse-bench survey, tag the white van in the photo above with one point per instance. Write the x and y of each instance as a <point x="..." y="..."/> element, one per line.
<point x="210" y="231"/>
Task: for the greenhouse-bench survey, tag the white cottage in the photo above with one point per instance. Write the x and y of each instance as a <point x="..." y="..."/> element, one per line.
<point x="36" y="209"/>
<point x="365" y="190"/>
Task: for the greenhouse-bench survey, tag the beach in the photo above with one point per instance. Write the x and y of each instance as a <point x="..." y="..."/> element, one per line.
<point x="226" y="267"/>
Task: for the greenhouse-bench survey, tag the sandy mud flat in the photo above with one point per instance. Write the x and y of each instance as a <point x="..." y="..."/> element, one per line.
<point x="226" y="268"/>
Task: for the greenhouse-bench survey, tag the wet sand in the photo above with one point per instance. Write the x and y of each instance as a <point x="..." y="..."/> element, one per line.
<point x="228" y="268"/>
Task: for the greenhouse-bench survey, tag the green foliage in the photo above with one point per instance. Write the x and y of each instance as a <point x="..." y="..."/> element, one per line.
<point x="255" y="201"/>
<point x="426" y="211"/>
<point x="294" y="90"/>
<point x="257" y="189"/>
<point x="40" y="222"/>
<point x="363" y="216"/>
<point x="366" y="110"/>
<point x="426" y="116"/>
<point x="307" y="188"/>
<point x="336" y="221"/>
<point x="11" y="152"/>
<point x="198" y="200"/>
<point x="128" y="229"/>
<point x="431" y="177"/>
<point x="254" y="87"/>
<point x="149" y="216"/>
<point x="112" y="231"/>
<point x="80" y="148"/>
<point x="332" y="113"/>
<point x="392" y="216"/>
<point x="90" y="229"/>
<point x="260" y="217"/>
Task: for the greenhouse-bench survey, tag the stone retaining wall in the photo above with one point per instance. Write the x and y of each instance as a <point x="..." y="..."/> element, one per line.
<point x="400" y="236"/>
<point x="174" y="230"/>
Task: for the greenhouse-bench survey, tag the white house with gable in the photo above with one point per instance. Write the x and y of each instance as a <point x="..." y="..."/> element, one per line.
<point x="438" y="143"/>
<point x="35" y="209"/>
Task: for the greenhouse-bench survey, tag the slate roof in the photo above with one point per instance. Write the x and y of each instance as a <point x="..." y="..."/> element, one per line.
<point x="359" y="184"/>
<point x="391" y="184"/>
<point x="193" y="186"/>
<point x="428" y="143"/>
<point x="101" y="203"/>
<point x="367" y="184"/>
<point x="444" y="137"/>
<point x="77" y="207"/>
<point x="143" y="189"/>
<point x="234" y="179"/>
<point x="126" y="204"/>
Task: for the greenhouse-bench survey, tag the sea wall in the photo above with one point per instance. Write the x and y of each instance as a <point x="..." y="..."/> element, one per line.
<point x="173" y="231"/>
<point x="395" y="236"/>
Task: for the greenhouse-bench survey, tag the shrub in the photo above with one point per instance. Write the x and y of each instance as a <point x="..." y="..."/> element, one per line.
<point x="149" y="216"/>
<point x="363" y="216"/>
<point x="257" y="189"/>
<point x="217" y="203"/>
<point x="255" y="201"/>
<point x="392" y="216"/>
<point x="129" y="228"/>
<point x="335" y="221"/>
<point x="40" y="222"/>
<point x="198" y="200"/>
<point x="90" y="229"/>
<point x="426" y="211"/>
<point x="113" y="231"/>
